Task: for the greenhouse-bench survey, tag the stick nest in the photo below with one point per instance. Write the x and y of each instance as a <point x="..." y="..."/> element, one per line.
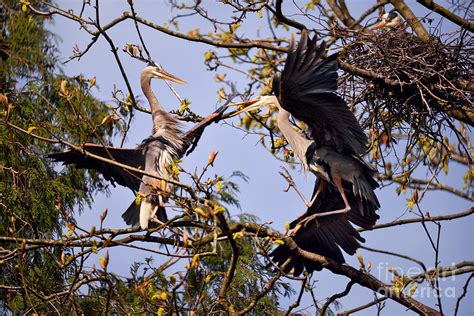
<point x="409" y="84"/>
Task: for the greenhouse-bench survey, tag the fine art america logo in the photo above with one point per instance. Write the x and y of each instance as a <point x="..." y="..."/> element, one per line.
<point x="417" y="281"/>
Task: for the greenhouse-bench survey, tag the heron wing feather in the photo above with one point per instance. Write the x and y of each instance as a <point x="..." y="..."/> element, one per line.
<point x="114" y="174"/>
<point x="308" y="91"/>
<point x="324" y="236"/>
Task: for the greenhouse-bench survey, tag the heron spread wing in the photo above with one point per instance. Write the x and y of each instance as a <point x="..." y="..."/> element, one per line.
<point x="192" y="136"/>
<point x="326" y="235"/>
<point x="307" y="90"/>
<point x="115" y="174"/>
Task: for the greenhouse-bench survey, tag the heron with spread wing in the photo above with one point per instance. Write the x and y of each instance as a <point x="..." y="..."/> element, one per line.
<point x="155" y="155"/>
<point x="306" y="89"/>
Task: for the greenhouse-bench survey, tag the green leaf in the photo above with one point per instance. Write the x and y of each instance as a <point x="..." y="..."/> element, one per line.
<point x="31" y="129"/>
<point x="184" y="105"/>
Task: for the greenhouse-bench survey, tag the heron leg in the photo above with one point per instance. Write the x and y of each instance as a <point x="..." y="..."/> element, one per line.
<point x="321" y="187"/>
<point x="155" y="209"/>
<point x="298" y="227"/>
<point x="347" y="207"/>
<point x="340" y="188"/>
<point x="156" y="220"/>
<point x="304" y="220"/>
<point x="153" y="218"/>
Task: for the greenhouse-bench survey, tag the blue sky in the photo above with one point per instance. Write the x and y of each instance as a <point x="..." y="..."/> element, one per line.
<point x="263" y="196"/>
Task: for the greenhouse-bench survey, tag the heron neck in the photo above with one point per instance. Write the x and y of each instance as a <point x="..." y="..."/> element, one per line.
<point x="298" y="143"/>
<point x="154" y="104"/>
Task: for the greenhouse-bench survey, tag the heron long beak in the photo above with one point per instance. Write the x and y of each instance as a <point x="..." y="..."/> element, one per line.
<point x="378" y="26"/>
<point x="162" y="74"/>
<point x="250" y="105"/>
<point x="244" y="103"/>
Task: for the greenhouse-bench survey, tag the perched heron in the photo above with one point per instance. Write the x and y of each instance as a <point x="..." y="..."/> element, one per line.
<point x="155" y="155"/>
<point x="389" y="20"/>
<point x="307" y="90"/>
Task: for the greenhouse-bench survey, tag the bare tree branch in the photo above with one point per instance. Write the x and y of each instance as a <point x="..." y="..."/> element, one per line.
<point x="430" y="4"/>
<point x="342" y="13"/>
<point x="436" y="186"/>
<point x="283" y="19"/>
<point x="360" y="277"/>
<point x="464" y="292"/>
<point x="424" y="219"/>
<point x="412" y="20"/>
<point x="336" y="296"/>
<point x="396" y="255"/>
<point x="362" y="307"/>
<point x="298" y="300"/>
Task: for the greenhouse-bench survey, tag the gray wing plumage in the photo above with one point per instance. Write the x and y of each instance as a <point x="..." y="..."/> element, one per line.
<point x="167" y="137"/>
<point x="192" y="136"/>
<point x="307" y="89"/>
<point x="131" y="157"/>
<point x="357" y="177"/>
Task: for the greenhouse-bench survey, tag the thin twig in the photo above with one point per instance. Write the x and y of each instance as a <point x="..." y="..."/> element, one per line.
<point x="336" y="296"/>
<point x="464" y="292"/>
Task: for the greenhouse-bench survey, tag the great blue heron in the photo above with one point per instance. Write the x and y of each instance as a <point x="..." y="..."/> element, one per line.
<point x="155" y="155"/>
<point x="389" y="20"/>
<point x="306" y="89"/>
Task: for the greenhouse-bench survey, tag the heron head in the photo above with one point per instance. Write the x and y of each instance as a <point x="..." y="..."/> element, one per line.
<point x="158" y="72"/>
<point x="389" y="19"/>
